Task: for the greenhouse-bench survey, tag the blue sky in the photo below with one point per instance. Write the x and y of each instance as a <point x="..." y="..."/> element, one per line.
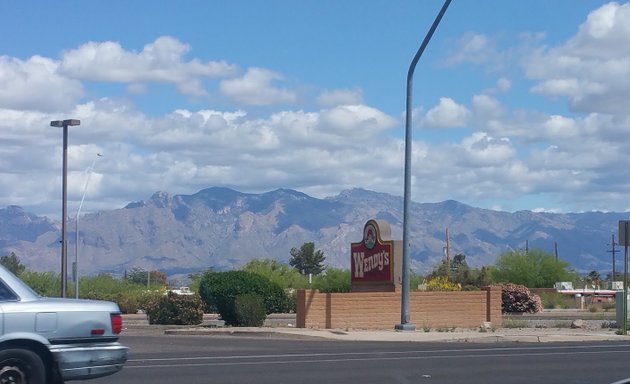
<point x="517" y="105"/>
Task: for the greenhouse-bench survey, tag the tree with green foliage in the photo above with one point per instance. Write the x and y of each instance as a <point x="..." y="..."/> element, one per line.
<point x="44" y="283"/>
<point x="333" y="280"/>
<point x="195" y="279"/>
<point x="594" y="279"/>
<point x="276" y="271"/>
<point x="105" y="287"/>
<point x="13" y="264"/>
<point x="306" y="260"/>
<point x="415" y="280"/>
<point x="141" y="276"/>
<point x="533" y="269"/>
<point x="458" y="272"/>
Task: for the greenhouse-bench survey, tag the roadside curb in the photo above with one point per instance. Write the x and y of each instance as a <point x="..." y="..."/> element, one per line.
<point x="283" y="326"/>
<point x="463" y="336"/>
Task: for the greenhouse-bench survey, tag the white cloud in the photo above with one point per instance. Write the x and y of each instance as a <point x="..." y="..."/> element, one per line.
<point x="479" y="149"/>
<point x="560" y="127"/>
<point x="477" y="48"/>
<point x="447" y="114"/>
<point x="160" y="61"/>
<point x="35" y="84"/>
<point x="506" y="153"/>
<point x="606" y="31"/>
<point x="486" y="107"/>
<point x="184" y="151"/>
<point x="340" y="97"/>
<point x="256" y="88"/>
<point x="592" y="69"/>
<point x="503" y="84"/>
<point x="359" y="120"/>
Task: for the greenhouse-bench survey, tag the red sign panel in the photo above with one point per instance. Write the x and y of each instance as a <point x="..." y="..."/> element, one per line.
<point x="372" y="259"/>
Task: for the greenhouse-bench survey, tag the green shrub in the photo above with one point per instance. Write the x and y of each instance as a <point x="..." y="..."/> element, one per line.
<point x="220" y="289"/>
<point x="518" y="298"/>
<point x="250" y="310"/>
<point x="174" y="309"/>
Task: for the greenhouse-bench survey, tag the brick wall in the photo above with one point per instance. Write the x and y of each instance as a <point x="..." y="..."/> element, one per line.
<point x="381" y="310"/>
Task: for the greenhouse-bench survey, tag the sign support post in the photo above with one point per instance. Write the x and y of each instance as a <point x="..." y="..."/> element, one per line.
<point x="624" y="233"/>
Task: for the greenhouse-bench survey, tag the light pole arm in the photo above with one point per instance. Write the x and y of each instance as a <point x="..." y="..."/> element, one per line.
<point x="404" y="308"/>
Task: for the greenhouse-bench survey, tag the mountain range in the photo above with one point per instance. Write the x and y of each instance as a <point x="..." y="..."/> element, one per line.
<point x="223" y="228"/>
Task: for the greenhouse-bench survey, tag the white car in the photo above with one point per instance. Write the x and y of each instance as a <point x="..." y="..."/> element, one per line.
<point x="51" y="340"/>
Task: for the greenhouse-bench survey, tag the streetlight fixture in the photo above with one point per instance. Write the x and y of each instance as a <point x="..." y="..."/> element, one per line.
<point x="75" y="268"/>
<point x="64" y="200"/>
<point x="405" y="325"/>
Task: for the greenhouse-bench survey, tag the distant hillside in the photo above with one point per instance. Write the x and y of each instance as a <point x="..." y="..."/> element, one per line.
<point x="223" y="228"/>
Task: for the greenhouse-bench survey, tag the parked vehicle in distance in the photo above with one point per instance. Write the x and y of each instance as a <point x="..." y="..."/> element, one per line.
<point x="181" y="291"/>
<point x="52" y="340"/>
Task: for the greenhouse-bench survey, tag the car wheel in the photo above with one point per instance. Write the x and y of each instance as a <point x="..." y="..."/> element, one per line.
<point x="21" y="366"/>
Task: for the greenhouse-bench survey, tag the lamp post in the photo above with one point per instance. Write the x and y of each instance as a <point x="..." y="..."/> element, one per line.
<point x="64" y="200"/>
<point x="75" y="268"/>
<point x="405" y="325"/>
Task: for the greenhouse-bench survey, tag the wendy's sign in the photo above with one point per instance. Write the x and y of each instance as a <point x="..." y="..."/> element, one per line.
<point x="375" y="262"/>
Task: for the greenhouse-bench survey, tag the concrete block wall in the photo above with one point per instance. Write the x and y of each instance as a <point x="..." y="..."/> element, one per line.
<point x="381" y="310"/>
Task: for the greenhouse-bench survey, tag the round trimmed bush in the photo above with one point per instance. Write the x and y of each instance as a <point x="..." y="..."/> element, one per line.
<point x="220" y="289"/>
<point x="250" y="310"/>
<point x="518" y="298"/>
<point x="174" y="309"/>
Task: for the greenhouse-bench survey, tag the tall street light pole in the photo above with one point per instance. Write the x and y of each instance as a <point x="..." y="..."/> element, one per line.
<point x="405" y="325"/>
<point x="64" y="201"/>
<point x="75" y="268"/>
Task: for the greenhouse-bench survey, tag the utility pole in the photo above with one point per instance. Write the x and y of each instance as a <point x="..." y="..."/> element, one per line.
<point x="555" y="243"/>
<point x="613" y="251"/>
<point x="447" y="252"/>
<point x="526" y="246"/>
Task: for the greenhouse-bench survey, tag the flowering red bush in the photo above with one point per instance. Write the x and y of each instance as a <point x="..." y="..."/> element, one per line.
<point x="518" y="298"/>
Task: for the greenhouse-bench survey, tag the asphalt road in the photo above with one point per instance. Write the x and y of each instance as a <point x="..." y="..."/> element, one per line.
<point x="237" y="359"/>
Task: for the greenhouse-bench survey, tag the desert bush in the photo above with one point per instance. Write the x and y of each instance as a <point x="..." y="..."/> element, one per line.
<point x="131" y="301"/>
<point x="607" y="306"/>
<point x="145" y="298"/>
<point x="128" y="303"/>
<point x="518" y="298"/>
<point x="174" y="309"/>
<point x="555" y="300"/>
<point x="250" y="310"/>
<point x="441" y="283"/>
<point x="220" y="289"/>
